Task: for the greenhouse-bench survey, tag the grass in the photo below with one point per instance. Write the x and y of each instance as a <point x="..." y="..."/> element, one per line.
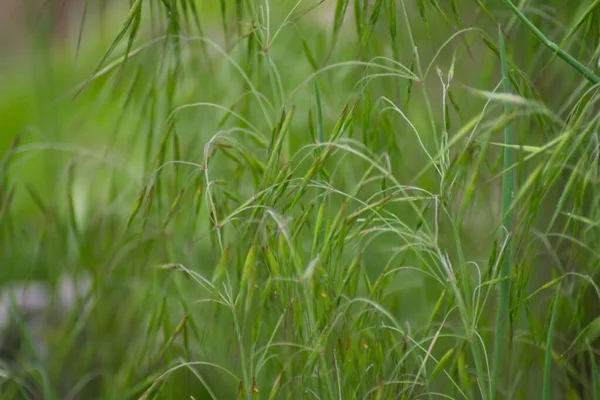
<point x="507" y="224"/>
<point x="340" y="199"/>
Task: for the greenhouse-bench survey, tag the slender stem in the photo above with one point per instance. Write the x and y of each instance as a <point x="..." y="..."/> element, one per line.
<point x="320" y="133"/>
<point x="507" y="221"/>
<point x="582" y="69"/>
<point x="420" y="73"/>
<point x="547" y="386"/>
<point x="319" y="229"/>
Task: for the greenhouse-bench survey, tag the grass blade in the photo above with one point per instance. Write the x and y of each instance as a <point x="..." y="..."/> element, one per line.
<point x="507" y="221"/>
<point x="547" y="388"/>
<point x="569" y="59"/>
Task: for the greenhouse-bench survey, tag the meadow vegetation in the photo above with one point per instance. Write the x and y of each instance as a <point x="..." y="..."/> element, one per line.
<point x="308" y="199"/>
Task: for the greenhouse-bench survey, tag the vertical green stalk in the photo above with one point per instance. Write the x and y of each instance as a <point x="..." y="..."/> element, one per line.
<point x="569" y="59"/>
<point x="507" y="221"/>
<point x="320" y="133"/>
<point x="595" y="375"/>
<point x="548" y="356"/>
<point x="421" y="75"/>
<point x="319" y="228"/>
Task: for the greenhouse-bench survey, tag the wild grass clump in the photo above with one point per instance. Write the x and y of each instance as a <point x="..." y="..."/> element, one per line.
<point x="341" y="199"/>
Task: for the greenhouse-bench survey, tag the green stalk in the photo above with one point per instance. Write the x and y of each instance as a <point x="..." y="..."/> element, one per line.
<point x="596" y="376"/>
<point x="548" y="355"/>
<point x="507" y="220"/>
<point x="319" y="231"/>
<point x="421" y="75"/>
<point x="320" y="135"/>
<point x="582" y="69"/>
<point x="320" y="132"/>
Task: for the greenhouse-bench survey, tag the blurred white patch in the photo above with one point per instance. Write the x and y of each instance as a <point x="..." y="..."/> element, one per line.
<point x="33" y="302"/>
<point x="23" y="298"/>
<point x="70" y="289"/>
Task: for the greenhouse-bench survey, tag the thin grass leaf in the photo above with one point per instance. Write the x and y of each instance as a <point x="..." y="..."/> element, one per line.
<point x="595" y="375"/>
<point x="174" y="207"/>
<point x="507" y="223"/>
<point x="359" y="17"/>
<point x="338" y="18"/>
<point x="7" y="160"/>
<point x="547" y="385"/>
<point x="132" y="17"/>
<point x="6" y="201"/>
<point x="276" y="386"/>
<point x="223" y="9"/>
<point x="580" y="21"/>
<point x="309" y="55"/>
<point x="376" y="9"/>
<point x="570" y="60"/>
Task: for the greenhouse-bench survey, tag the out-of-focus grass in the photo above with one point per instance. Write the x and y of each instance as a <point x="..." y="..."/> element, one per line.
<point x="283" y="200"/>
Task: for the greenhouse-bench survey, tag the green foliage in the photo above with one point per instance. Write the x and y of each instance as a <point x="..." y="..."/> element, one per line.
<point x="296" y="199"/>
